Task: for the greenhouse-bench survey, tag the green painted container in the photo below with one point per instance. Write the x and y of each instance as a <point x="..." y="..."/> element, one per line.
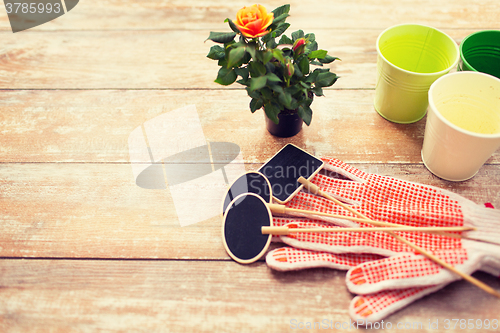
<point x="480" y="52"/>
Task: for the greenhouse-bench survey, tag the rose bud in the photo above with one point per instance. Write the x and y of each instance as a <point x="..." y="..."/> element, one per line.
<point x="289" y="69"/>
<point x="299" y="45"/>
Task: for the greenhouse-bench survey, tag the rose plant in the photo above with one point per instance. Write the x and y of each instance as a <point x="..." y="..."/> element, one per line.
<point x="276" y="72"/>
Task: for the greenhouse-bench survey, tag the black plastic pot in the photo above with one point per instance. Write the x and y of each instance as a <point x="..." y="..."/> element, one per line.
<point x="289" y="125"/>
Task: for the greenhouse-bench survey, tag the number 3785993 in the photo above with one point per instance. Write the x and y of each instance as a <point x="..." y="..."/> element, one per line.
<point x="33" y="8"/>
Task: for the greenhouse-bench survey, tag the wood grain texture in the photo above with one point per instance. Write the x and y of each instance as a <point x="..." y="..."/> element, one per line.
<point x="84" y="249"/>
<point x="65" y="210"/>
<point x="158" y="59"/>
<point x="94" y="126"/>
<point x="210" y="14"/>
<point x="170" y="296"/>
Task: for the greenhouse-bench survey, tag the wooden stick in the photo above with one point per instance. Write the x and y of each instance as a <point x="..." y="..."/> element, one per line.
<point x="283" y="210"/>
<point x="285" y="230"/>
<point x="428" y="255"/>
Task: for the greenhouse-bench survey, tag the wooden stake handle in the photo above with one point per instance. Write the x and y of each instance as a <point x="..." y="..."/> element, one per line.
<point x="428" y="255"/>
<point x="285" y="230"/>
<point x="283" y="210"/>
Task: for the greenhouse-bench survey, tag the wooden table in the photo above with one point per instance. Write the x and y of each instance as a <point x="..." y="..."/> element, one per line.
<point x="83" y="248"/>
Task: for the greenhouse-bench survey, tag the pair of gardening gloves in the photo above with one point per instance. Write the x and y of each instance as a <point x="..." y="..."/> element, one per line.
<point x="386" y="274"/>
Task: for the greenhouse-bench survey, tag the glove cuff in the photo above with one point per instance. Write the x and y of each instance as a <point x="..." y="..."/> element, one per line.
<point x="485" y="220"/>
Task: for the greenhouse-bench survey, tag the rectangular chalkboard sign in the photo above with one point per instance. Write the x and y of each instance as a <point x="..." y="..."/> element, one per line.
<point x="284" y="168"/>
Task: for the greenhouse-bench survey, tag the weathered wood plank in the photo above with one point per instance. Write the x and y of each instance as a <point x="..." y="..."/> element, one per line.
<point x="67" y="190"/>
<point x="180" y="296"/>
<point x="94" y="126"/>
<point x="210" y="14"/>
<point x="157" y="59"/>
<point x="64" y="210"/>
<point x="150" y="59"/>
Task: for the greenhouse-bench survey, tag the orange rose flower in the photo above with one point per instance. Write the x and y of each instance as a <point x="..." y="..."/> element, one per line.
<point x="253" y="21"/>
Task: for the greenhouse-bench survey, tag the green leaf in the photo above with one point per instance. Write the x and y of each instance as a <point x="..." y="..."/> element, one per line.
<point x="278" y="54"/>
<point x="228" y="47"/>
<point x="312" y="77"/>
<point x="257" y="69"/>
<point x="317" y="63"/>
<point x="251" y="50"/>
<point x="305" y="85"/>
<point x="328" y="59"/>
<point x="272" y="112"/>
<point x="216" y="53"/>
<point x="281" y="13"/>
<point x="277" y="88"/>
<point x="325" y="79"/>
<point x="305" y="113"/>
<point x="322" y="70"/>
<point x="257" y="83"/>
<point x="297" y="34"/>
<point x="222" y="62"/>
<point x="285" y="40"/>
<point x="271" y="44"/>
<point x="298" y="72"/>
<point x="304" y="65"/>
<point x="319" y="54"/>
<point x="286" y="100"/>
<point x="243" y="72"/>
<point x="266" y="38"/>
<point x="221" y="37"/>
<point x="266" y="56"/>
<point x="311" y="37"/>
<point x="318" y="91"/>
<point x="232" y="25"/>
<point x="292" y="90"/>
<point x="313" y="46"/>
<point x="235" y="55"/>
<point x="256" y="104"/>
<point x="244" y="82"/>
<point x="253" y="94"/>
<point x="270" y="67"/>
<point x="285" y="9"/>
<point x="266" y="93"/>
<point x="271" y="77"/>
<point x="281" y="18"/>
<point x="245" y="60"/>
<point x="307" y="102"/>
<point x="226" y="76"/>
<point x="280" y="29"/>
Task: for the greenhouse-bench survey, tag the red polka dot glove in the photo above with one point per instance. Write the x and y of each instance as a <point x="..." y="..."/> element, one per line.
<point x="363" y="308"/>
<point x="395" y="201"/>
<point x="376" y="306"/>
<point x="373" y="275"/>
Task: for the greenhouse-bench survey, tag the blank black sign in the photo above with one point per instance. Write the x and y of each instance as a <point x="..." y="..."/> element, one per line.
<point x="286" y="167"/>
<point x="244" y="219"/>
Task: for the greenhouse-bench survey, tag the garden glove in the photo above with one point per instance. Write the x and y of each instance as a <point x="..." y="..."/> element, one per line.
<point x="401" y="271"/>
<point x="377" y="306"/>
<point x="395" y="201"/>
